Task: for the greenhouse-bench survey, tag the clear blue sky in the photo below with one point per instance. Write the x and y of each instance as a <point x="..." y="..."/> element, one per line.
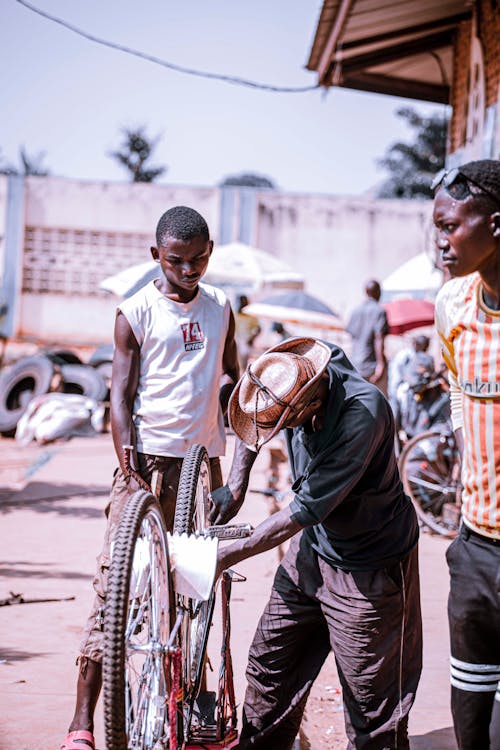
<point x="69" y="96"/>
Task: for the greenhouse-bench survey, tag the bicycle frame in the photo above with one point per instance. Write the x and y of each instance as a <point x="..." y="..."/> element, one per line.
<point x="155" y="638"/>
<point x="223" y="732"/>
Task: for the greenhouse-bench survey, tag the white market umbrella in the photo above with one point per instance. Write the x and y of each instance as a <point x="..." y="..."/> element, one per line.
<point x="237" y="264"/>
<point x="129" y="281"/>
<point x="417" y="278"/>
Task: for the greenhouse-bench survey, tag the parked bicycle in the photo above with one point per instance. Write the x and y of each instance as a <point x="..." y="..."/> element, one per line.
<point x="155" y="639"/>
<point x="422" y="404"/>
<point x="430" y="470"/>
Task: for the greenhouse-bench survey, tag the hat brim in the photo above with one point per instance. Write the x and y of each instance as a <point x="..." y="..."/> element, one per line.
<point x="242" y="423"/>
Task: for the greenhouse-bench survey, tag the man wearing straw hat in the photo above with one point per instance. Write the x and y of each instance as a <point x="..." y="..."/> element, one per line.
<point x="349" y="580"/>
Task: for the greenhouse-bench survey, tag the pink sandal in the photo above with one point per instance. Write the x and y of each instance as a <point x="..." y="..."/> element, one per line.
<point x="86" y="741"/>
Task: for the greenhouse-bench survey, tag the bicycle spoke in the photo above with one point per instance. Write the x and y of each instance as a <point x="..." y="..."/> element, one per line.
<point x="137" y="630"/>
<point x="429" y="467"/>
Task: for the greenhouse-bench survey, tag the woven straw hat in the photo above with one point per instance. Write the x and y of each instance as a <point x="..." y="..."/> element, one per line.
<point x="275" y="386"/>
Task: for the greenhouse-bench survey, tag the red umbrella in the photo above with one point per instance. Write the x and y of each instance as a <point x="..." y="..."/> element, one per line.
<point x="406" y="314"/>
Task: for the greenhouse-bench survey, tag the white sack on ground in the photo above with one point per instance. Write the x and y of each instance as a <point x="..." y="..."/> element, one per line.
<point x="54" y="416"/>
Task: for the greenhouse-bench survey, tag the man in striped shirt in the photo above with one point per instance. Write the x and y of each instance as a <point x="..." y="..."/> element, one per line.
<point x="467" y="216"/>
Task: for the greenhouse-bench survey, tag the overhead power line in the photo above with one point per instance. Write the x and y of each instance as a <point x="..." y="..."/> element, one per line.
<point x="235" y="80"/>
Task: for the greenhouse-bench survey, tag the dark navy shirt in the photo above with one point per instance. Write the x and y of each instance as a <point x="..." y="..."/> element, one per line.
<point x="348" y="493"/>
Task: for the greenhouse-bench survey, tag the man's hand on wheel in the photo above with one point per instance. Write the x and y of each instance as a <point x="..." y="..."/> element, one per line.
<point x="224" y="505"/>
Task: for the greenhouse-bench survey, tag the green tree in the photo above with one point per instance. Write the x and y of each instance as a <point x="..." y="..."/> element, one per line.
<point x="412" y="166"/>
<point x="29" y="164"/>
<point x="135" y="152"/>
<point x="248" y="179"/>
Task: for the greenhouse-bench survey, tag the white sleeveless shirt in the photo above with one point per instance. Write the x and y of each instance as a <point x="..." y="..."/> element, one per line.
<point x="181" y="349"/>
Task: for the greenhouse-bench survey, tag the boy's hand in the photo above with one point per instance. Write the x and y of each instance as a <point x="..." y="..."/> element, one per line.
<point x="224" y="505"/>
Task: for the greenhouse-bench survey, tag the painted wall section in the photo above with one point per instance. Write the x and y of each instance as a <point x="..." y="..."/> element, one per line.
<point x="69" y="235"/>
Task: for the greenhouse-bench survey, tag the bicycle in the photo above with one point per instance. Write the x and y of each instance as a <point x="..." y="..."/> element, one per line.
<point x="429" y="466"/>
<point x="155" y="639"/>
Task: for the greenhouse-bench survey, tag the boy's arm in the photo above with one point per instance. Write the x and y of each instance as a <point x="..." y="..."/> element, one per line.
<point x="124" y="381"/>
<point x="230" y="367"/>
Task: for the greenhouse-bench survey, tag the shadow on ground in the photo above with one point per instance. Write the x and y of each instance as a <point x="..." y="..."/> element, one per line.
<point x="438" y="739"/>
<point x="11" y="655"/>
<point x="25" y="569"/>
<point x="43" y="497"/>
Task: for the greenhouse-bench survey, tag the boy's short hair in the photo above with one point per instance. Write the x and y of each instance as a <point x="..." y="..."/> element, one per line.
<point x="181" y="223"/>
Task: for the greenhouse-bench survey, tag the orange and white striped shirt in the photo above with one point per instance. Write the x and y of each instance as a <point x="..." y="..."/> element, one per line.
<point x="470" y="337"/>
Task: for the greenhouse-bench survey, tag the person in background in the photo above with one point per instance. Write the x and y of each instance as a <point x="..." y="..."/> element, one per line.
<point x="467" y="217"/>
<point x="247" y="330"/>
<point x="174" y="367"/>
<point x="280" y="331"/>
<point x="349" y="580"/>
<point x="368" y="328"/>
<point x="401" y="363"/>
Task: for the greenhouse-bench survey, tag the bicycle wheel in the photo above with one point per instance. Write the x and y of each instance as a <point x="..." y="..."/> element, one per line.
<point x="136" y="630"/>
<point x="430" y="470"/>
<point x="191" y="516"/>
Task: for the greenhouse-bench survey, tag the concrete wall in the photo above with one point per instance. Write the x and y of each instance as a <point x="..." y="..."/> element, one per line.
<point x="74" y="234"/>
<point x="338" y="243"/>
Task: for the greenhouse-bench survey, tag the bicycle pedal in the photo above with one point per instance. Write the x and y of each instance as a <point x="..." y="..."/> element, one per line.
<point x="231" y="531"/>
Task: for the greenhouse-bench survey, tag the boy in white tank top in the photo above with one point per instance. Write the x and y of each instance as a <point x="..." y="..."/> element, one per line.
<point x="174" y="367"/>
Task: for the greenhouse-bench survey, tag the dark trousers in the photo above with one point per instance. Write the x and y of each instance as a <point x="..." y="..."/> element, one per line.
<point x="474" y="620"/>
<point x="371" y="620"/>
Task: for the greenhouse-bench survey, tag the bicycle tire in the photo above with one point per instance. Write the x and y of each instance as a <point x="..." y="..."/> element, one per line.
<point x="191" y="516"/>
<point x="191" y="510"/>
<point x="431" y="485"/>
<point x="136" y="630"/>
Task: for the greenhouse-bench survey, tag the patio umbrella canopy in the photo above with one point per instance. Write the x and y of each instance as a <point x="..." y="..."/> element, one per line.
<point x="296" y="307"/>
<point x="406" y="314"/>
<point x="416" y="278"/>
<point x="236" y="264"/>
<point x="130" y="280"/>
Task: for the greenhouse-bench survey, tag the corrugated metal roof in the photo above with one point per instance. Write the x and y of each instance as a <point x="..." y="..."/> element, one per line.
<point x="400" y="47"/>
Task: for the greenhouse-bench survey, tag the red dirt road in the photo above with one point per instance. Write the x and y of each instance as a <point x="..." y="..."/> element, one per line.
<point x="51" y="530"/>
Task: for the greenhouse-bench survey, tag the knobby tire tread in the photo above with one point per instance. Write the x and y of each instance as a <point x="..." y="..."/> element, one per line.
<point x="186" y="495"/>
<point x="116" y="617"/>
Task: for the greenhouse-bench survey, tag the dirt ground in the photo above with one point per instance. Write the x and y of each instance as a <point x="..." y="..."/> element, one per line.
<point x="51" y="504"/>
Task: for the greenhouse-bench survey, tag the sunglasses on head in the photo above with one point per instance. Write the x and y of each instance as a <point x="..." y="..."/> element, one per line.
<point x="454" y="177"/>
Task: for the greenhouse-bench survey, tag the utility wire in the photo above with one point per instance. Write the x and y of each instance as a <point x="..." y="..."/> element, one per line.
<point x="164" y="63"/>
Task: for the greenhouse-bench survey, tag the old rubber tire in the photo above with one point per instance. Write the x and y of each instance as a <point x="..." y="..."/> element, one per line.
<point x="63" y="357"/>
<point x="102" y="354"/>
<point x="137" y="630"/>
<point x="19" y="383"/>
<point x="85" y="381"/>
